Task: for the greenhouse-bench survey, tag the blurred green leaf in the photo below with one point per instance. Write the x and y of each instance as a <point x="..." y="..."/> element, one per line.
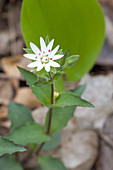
<point x="27" y="134"/>
<point x="49" y="163"/>
<point x="9" y="163"/>
<point x="18" y="114"/>
<point x="67" y="99"/>
<point x="53" y="143"/>
<point x="9" y="147"/>
<point x="77" y="26"/>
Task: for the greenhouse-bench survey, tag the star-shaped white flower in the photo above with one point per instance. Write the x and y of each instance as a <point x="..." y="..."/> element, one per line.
<point x="43" y="57"/>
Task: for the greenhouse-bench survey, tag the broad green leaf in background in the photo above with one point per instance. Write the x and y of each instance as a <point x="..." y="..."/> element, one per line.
<point x="53" y="143"/>
<point x="42" y="93"/>
<point x="77" y="26"/>
<point x="67" y="99"/>
<point x="18" y="114"/>
<point x="28" y="133"/>
<point x="9" y="163"/>
<point x="49" y="163"/>
<point x="9" y="147"/>
<point x="60" y="118"/>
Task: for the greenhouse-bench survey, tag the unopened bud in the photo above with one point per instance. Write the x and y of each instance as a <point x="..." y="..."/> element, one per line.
<point x="56" y="94"/>
<point x="70" y="61"/>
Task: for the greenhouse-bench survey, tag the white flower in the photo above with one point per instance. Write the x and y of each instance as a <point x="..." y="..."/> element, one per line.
<point x="43" y="57"/>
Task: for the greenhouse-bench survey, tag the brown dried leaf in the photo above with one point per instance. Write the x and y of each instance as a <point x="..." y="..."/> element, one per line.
<point x="26" y="97"/>
<point x="9" y="64"/>
<point x="3" y="111"/>
<point x="6" y="92"/>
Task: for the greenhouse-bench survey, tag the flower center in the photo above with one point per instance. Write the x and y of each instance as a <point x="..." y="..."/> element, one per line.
<point x="44" y="59"/>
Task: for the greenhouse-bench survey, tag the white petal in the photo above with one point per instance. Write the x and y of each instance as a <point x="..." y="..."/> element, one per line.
<point x="47" y="67"/>
<point x="34" y="48"/>
<point x="40" y="66"/>
<point x="56" y="57"/>
<point x="34" y="64"/>
<point x="42" y="44"/>
<point x="54" y="51"/>
<point x="54" y="64"/>
<point x="30" y="56"/>
<point x="50" y="45"/>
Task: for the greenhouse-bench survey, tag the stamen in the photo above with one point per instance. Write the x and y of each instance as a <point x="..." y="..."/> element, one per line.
<point x="50" y="58"/>
<point x="49" y="50"/>
<point x="39" y="54"/>
<point x="41" y="58"/>
<point x="43" y="51"/>
<point x="35" y="57"/>
<point x="47" y="55"/>
<point x="42" y="62"/>
<point x="46" y="59"/>
<point x="40" y="49"/>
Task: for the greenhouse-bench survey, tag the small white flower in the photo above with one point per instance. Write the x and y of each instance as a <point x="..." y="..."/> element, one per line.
<point x="43" y="57"/>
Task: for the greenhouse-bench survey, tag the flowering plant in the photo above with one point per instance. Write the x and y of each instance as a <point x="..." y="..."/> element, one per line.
<point x="25" y="132"/>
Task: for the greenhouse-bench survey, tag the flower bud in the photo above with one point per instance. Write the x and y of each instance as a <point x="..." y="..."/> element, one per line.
<point x="70" y="61"/>
<point x="56" y="94"/>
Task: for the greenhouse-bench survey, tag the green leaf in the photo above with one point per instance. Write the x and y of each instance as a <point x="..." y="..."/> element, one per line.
<point x="49" y="163"/>
<point x="59" y="85"/>
<point x="30" y="77"/>
<point x="75" y="25"/>
<point x="53" y="143"/>
<point x="78" y="90"/>
<point x="18" y="114"/>
<point x="28" y="133"/>
<point x="60" y="117"/>
<point x="28" y="50"/>
<point x="67" y="99"/>
<point x="9" y="163"/>
<point x="9" y="147"/>
<point x="43" y="83"/>
<point x="42" y="93"/>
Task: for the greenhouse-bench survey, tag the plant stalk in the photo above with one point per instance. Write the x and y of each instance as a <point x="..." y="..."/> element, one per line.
<point x="51" y="109"/>
<point x="50" y="117"/>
